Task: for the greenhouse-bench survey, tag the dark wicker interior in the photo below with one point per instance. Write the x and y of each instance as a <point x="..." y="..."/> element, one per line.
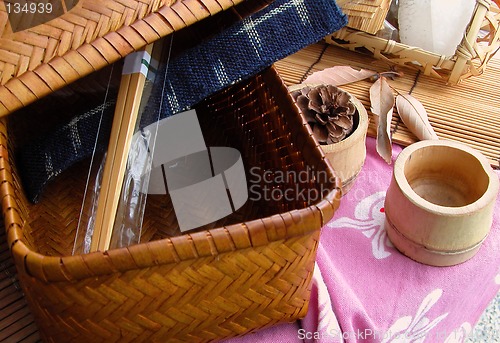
<point x="248" y="117"/>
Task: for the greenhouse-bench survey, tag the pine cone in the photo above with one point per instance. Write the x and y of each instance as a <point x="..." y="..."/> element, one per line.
<point x="328" y="110"/>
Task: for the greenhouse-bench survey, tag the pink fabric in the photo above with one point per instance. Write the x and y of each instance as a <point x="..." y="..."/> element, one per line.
<point x="364" y="290"/>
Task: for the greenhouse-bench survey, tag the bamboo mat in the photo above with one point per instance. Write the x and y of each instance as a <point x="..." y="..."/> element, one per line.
<point x="468" y="112"/>
<point x="16" y="320"/>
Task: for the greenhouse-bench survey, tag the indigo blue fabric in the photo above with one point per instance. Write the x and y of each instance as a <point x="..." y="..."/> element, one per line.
<point x="242" y="50"/>
<point x="46" y="158"/>
<point x="279" y="30"/>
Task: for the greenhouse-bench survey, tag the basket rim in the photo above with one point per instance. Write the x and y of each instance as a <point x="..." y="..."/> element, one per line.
<point x="202" y="244"/>
<point x="33" y="79"/>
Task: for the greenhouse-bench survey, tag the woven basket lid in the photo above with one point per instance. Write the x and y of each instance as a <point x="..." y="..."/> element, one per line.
<point x="40" y="53"/>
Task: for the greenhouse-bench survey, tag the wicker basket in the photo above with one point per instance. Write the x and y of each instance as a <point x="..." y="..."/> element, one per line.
<point x="470" y="59"/>
<point x="251" y="271"/>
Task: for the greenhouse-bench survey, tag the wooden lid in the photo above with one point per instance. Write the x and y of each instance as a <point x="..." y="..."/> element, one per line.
<point x="41" y="52"/>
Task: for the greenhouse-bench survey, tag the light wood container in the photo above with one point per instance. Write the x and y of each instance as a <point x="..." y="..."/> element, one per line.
<point x="348" y="156"/>
<point x="439" y="205"/>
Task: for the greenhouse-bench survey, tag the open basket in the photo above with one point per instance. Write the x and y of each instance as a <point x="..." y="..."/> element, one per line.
<point x="250" y="271"/>
<point x="481" y="41"/>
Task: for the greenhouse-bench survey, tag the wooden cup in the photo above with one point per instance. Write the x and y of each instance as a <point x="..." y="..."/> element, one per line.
<point x="439" y="205"/>
<point x="347" y="157"/>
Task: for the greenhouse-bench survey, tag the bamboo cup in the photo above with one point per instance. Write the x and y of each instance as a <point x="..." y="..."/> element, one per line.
<point x="347" y="157"/>
<point x="439" y="205"/>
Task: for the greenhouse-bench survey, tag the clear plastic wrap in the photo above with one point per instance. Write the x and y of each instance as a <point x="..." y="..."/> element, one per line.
<point x="133" y="193"/>
<point x="128" y="222"/>
<point x="86" y="220"/>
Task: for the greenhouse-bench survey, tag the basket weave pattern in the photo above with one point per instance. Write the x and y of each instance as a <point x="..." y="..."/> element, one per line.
<point x="365" y="15"/>
<point x="196" y="287"/>
<point x="36" y="61"/>
<point x="470" y="59"/>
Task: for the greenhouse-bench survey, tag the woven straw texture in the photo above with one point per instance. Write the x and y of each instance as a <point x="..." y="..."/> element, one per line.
<point x="365" y="15"/>
<point x="470" y="59"/>
<point x="211" y="284"/>
<point x="94" y="33"/>
<point x="16" y="320"/>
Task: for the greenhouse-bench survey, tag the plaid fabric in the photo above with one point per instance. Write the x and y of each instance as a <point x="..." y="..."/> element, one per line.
<point x="46" y="158"/>
<point x="237" y="53"/>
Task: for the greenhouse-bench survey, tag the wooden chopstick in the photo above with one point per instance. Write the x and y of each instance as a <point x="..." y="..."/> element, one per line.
<point x="124" y="122"/>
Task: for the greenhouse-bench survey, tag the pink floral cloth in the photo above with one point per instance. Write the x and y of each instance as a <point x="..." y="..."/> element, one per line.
<point x="364" y="290"/>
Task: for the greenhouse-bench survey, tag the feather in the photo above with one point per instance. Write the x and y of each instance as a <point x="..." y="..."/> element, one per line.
<point x="414" y="116"/>
<point x="339" y="75"/>
<point x="382" y="104"/>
